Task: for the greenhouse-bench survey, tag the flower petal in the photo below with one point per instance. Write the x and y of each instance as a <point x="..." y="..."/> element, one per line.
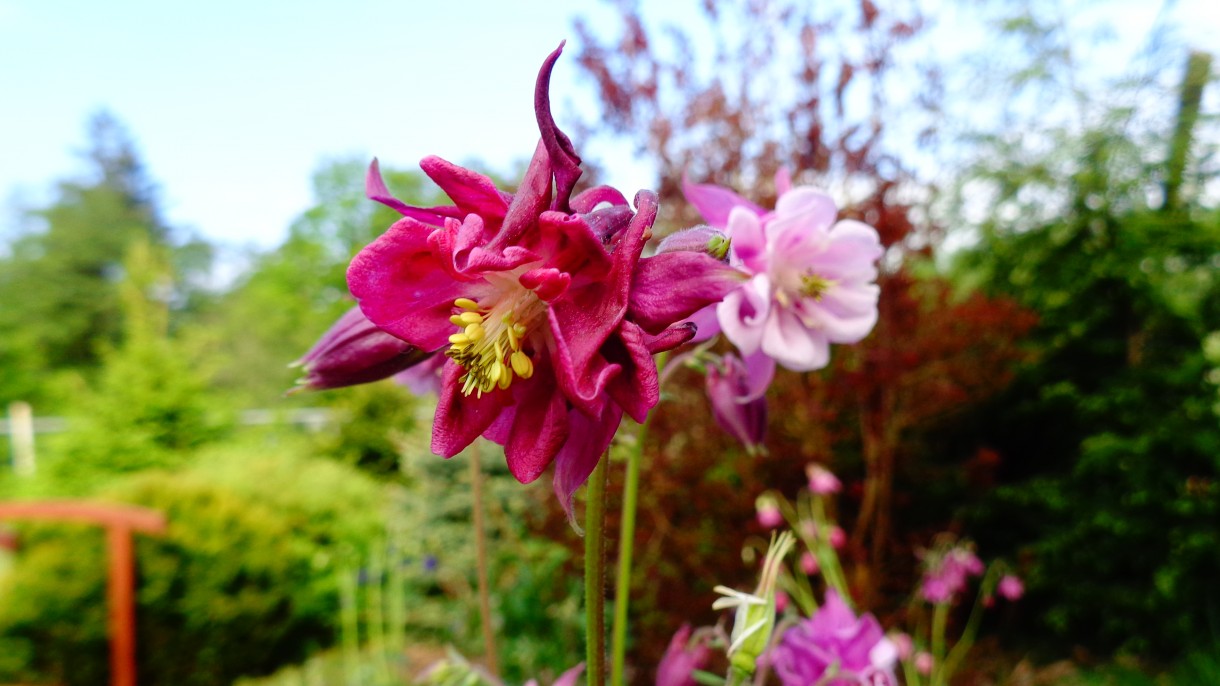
<point x="403" y="289"/>
<point x="672" y="286"/>
<point x="462" y="418"/>
<point x="715" y="202"/>
<point x="588" y="439"/>
<point x="787" y="339"/>
<point x="743" y="312"/>
<point x="636" y="388"/>
<point x="472" y="192"/>
<point x="565" y="163"/>
<point x="749" y="241"/>
<point x="375" y="190"/>
<point x="539" y="428"/>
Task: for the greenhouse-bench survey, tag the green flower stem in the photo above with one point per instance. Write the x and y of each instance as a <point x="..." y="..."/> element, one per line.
<point x="480" y="546"/>
<point x="626" y="545"/>
<point x="940" y="616"/>
<point x="972" y="626"/>
<point x="595" y="574"/>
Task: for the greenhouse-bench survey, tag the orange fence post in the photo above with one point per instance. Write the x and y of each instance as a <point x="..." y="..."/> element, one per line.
<point x="120" y="522"/>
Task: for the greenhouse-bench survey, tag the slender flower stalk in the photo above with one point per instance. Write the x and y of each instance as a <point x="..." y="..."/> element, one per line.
<point x="622" y="583"/>
<point x="480" y="546"/>
<point x="595" y="574"/>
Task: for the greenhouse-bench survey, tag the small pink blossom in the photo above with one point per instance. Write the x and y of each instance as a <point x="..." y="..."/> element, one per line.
<point x="947" y="572"/>
<point x="769" y="515"/>
<point x="809" y="563"/>
<point x="924" y="662"/>
<point x="821" y="480"/>
<point x="1010" y="587"/>
<point x="903" y="644"/>
<point x="837" y="537"/>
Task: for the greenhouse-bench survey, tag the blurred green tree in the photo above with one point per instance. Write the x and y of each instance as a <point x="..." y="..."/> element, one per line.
<point x="60" y="281"/>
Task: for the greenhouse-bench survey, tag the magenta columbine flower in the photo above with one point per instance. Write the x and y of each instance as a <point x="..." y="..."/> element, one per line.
<point x="355" y="351"/>
<point x="835" y="648"/>
<point x="682" y="658"/>
<point x="812" y="277"/>
<point x="737" y="407"/>
<point x="540" y="302"/>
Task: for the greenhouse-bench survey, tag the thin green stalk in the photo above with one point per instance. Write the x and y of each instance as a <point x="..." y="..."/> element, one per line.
<point x="940" y="616"/>
<point x="595" y="574"/>
<point x="959" y="650"/>
<point x="626" y="545"/>
<point x="480" y="546"/>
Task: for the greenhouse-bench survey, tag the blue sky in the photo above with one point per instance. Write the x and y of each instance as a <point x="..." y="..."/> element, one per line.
<point x="234" y="104"/>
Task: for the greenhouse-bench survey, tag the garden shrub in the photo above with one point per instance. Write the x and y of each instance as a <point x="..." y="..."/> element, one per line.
<point x="242" y="583"/>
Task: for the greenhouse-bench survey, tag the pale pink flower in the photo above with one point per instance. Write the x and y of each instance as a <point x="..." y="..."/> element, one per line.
<point x="924" y="663"/>
<point x="812" y="278"/>
<point x="769" y="515"/>
<point x="809" y="563"/>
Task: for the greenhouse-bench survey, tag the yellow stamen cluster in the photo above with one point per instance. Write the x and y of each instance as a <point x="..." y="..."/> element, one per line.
<point x="814" y="286"/>
<point x="488" y="347"/>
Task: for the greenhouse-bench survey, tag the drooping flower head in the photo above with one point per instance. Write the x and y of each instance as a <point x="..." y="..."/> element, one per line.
<point x="812" y="277"/>
<point x="835" y="648"/>
<point x="540" y="302"/>
<point x="737" y="407"/>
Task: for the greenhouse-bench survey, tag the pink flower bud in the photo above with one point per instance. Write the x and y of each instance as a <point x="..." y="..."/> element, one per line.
<point x="837" y="537"/>
<point x="355" y="351"/>
<point x="821" y="480"/>
<point x="903" y="644"/>
<point x="924" y="663"/>
<point x="1010" y="587"/>
<point x="809" y="563"/>
<point x="781" y="601"/>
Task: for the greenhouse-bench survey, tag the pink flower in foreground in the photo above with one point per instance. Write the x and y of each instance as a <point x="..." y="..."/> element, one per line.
<point x="682" y="658"/>
<point x="540" y="301"/>
<point x="769" y="515"/>
<point x="812" y="278"/>
<point x="835" y="648"/>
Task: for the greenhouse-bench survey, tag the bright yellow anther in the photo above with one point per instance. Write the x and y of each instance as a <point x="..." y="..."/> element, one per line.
<point x="469" y="318"/>
<point x="522" y="364"/>
<point x="466" y="304"/>
<point x="459" y="339"/>
<point x="474" y="331"/>
<point x="457" y="321"/>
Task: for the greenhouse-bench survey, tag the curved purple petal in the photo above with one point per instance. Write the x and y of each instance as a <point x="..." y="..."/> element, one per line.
<point x="636" y="389"/>
<point x="587" y="200"/>
<point x="588" y="439"/>
<point x="672" y="286"/>
<point x="565" y="163"/>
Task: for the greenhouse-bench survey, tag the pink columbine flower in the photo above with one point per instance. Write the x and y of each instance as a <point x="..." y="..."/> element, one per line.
<point x="821" y="480"/>
<point x="682" y="658"/>
<point x="812" y="278"/>
<point x="1010" y="587"/>
<point x="539" y="300"/>
<point x="355" y="351"/>
<point x="737" y="407"/>
<point x="835" y="648"/>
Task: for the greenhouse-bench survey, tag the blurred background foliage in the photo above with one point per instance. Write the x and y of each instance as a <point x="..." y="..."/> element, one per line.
<point x="1043" y="376"/>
